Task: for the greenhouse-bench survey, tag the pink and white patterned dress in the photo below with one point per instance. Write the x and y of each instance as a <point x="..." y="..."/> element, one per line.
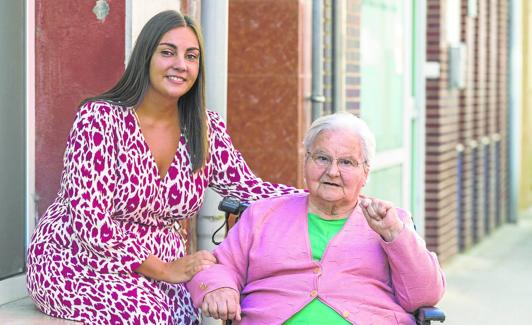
<point x="113" y="210"/>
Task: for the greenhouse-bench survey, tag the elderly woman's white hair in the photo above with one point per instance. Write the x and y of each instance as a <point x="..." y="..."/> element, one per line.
<point x="343" y="120"/>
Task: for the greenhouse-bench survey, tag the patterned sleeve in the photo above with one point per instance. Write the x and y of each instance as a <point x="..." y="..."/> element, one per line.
<point x="231" y="175"/>
<point x="90" y="178"/>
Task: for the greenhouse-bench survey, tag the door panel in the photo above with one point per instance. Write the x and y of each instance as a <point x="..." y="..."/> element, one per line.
<point x="384" y="183"/>
<point x="12" y="139"/>
<point x="386" y="95"/>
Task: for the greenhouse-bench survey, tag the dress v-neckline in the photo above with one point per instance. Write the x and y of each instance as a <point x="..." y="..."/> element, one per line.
<point x="157" y="172"/>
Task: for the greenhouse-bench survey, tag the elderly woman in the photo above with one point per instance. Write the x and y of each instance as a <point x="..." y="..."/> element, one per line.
<point x="331" y="256"/>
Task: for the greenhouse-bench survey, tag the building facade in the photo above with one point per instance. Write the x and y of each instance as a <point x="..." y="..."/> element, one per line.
<point x="433" y="79"/>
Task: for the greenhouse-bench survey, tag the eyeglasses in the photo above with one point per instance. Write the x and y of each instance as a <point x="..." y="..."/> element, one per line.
<point x="325" y="161"/>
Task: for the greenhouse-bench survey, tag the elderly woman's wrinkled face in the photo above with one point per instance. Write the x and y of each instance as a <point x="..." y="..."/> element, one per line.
<point x="334" y="169"/>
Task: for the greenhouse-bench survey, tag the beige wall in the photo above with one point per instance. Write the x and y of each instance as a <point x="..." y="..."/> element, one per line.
<point x="525" y="197"/>
<point x="142" y="11"/>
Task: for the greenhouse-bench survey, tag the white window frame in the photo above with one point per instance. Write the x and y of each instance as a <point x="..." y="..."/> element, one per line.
<point x="400" y="156"/>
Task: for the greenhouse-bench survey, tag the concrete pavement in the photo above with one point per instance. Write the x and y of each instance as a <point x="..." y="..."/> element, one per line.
<point x="491" y="284"/>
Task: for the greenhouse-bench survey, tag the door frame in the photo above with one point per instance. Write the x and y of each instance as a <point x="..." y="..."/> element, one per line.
<point x="417" y="118"/>
<point x="14" y="288"/>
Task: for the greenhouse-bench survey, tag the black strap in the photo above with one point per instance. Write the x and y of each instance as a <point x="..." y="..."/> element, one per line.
<point x="220" y="228"/>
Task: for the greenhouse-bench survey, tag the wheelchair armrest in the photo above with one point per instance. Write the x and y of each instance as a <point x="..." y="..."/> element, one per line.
<point x="425" y="315"/>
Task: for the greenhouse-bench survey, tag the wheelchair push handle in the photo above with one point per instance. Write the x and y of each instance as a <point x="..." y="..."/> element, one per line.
<point x="232" y="205"/>
<point x="229" y="205"/>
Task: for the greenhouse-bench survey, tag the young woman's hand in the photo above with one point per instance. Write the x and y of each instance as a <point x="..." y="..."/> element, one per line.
<point x="223" y="303"/>
<point x="178" y="271"/>
<point x="183" y="269"/>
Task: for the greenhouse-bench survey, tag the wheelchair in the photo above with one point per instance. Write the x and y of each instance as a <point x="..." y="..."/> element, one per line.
<point x="233" y="209"/>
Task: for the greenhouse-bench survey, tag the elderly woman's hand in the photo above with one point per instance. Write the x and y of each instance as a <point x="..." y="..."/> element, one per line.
<point x="223" y="303"/>
<point x="382" y="217"/>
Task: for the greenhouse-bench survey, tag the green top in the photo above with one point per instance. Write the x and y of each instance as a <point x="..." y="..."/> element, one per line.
<point x="321" y="231"/>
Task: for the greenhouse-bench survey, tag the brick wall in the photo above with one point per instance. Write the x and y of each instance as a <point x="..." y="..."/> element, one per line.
<point x="351" y="70"/>
<point x="474" y="199"/>
<point x="501" y="111"/>
<point x="352" y="57"/>
<point x="465" y="193"/>
<point x="441" y="139"/>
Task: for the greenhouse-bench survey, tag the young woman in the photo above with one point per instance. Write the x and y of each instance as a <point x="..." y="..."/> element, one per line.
<point x="138" y="160"/>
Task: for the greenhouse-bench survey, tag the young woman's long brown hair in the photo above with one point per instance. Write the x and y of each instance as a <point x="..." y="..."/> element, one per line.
<point x="129" y="91"/>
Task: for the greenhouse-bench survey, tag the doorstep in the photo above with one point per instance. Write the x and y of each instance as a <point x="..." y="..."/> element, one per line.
<point x="24" y="312"/>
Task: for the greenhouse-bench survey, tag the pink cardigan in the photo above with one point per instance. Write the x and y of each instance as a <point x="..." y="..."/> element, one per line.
<point x="267" y="258"/>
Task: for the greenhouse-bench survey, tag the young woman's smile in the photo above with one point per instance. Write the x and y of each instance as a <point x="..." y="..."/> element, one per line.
<point x="174" y="66"/>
